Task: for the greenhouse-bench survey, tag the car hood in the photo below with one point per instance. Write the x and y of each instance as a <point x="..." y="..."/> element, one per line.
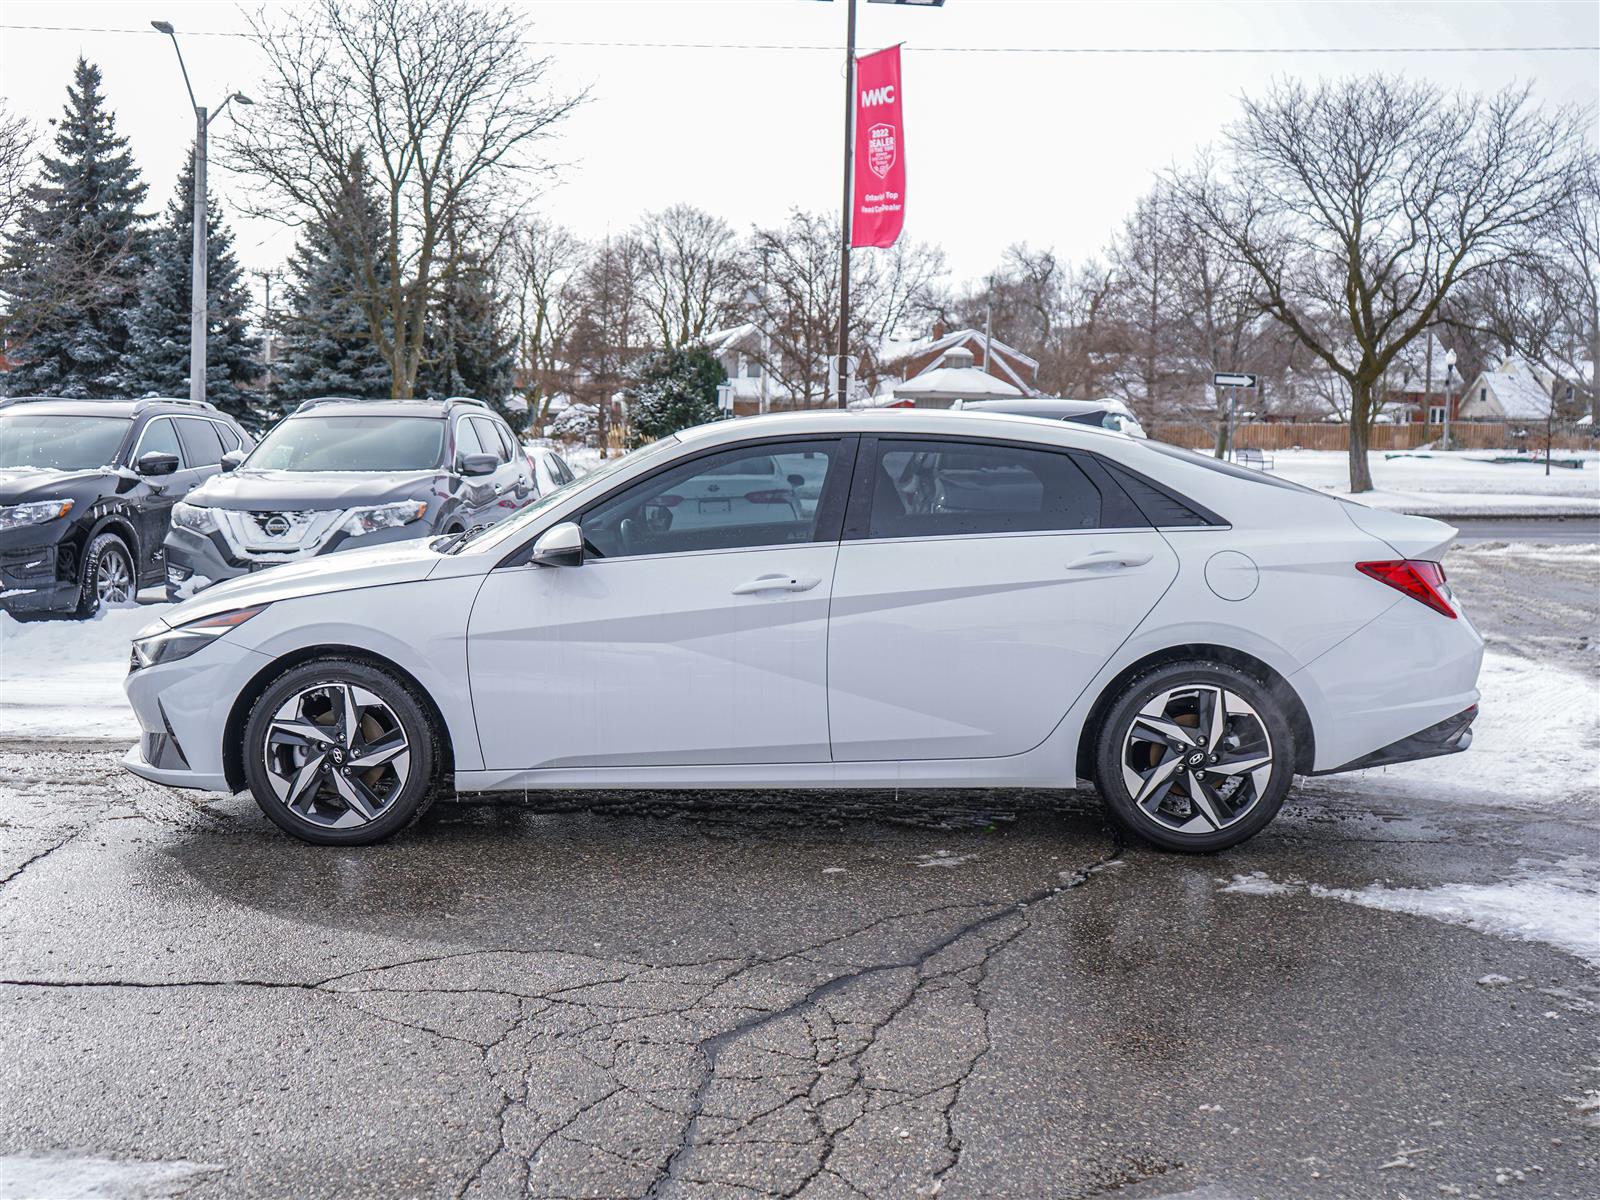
<point x="397" y="562"/>
<point x="293" y="490"/>
<point x="18" y="485"/>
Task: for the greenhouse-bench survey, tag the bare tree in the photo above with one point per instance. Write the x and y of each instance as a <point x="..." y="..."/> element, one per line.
<point x="611" y="326"/>
<point x="443" y="102"/>
<point x="540" y="272"/>
<point x="1358" y="206"/>
<point x="798" y="306"/>
<point x="16" y="165"/>
<point x="691" y="272"/>
<point x="893" y="291"/>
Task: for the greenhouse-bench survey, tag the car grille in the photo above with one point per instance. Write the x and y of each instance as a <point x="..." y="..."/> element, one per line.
<point x="277" y="534"/>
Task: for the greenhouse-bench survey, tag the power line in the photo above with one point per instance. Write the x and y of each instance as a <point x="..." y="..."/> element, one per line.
<point x="832" y="49"/>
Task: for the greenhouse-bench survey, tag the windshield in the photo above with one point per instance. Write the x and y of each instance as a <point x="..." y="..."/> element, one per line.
<point x="351" y="444"/>
<point x="52" y="442"/>
<point x="495" y="534"/>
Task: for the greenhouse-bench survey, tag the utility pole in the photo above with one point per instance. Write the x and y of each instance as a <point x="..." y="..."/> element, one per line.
<point x="266" y="326"/>
<point x="842" y="367"/>
<point x="988" y="325"/>
<point x="197" y="277"/>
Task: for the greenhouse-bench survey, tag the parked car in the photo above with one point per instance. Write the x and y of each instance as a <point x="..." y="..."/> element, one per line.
<point x="1108" y="413"/>
<point x="973" y="601"/>
<point x="86" y="491"/>
<point x="339" y="473"/>
<point x="550" y="470"/>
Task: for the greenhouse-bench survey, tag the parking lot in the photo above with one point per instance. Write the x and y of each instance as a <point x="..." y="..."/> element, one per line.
<point x="808" y="994"/>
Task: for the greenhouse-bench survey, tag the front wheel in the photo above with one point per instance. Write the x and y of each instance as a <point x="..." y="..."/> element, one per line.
<point x="340" y="753"/>
<point x="106" y="577"/>
<point x="1195" y="756"/>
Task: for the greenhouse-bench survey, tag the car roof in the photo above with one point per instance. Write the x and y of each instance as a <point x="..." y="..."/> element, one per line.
<point x="1037" y="407"/>
<point x="112" y="406"/>
<point x="957" y="423"/>
<point x="355" y="406"/>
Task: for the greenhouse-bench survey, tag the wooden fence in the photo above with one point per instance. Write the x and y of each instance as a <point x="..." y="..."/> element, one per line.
<point x="1463" y="436"/>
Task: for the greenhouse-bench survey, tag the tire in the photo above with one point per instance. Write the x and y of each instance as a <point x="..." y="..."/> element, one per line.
<point x="299" y="751"/>
<point x="1201" y="791"/>
<point x="106" y="575"/>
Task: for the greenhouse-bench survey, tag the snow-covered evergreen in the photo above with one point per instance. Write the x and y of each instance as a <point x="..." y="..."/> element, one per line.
<point x="157" y="358"/>
<point x="468" y="349"/>
<point x="72" y="265"/>
<point x="326" y="347"/>
<point x="673" y="390"/>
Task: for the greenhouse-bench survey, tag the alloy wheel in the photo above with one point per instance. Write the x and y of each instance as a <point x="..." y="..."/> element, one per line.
<point x="336" y="755"/>
<point x="1197" y="759"/>
<point x="113" y="577"/>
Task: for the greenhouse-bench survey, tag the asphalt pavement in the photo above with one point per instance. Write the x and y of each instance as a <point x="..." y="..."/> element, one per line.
<point x="808" y="994"/>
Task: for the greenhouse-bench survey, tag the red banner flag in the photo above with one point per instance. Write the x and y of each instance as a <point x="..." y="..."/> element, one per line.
<point x="879" y="210"/>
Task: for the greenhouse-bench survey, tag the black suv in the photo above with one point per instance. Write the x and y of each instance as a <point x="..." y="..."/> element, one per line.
<point x="340" y="474"/>
<point x="86" y="489"/>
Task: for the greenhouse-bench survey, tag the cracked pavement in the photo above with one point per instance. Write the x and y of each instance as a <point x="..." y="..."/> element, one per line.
<point x="757" y="996"/>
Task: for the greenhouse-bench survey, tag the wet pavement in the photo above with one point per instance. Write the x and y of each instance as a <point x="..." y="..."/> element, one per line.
<point x="760" y="996"/>
<point x="806" y="994"/>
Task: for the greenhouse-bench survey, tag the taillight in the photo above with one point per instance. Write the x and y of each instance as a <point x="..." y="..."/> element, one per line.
<point x="1422" y="581"/>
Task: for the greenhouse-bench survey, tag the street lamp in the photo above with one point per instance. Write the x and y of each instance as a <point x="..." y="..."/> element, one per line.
<point x="1449" y="370"/>
<point x="843" y="369"/>
<point x="197" y="282"/>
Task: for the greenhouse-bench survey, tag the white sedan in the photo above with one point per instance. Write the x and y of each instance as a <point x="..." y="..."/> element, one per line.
<point x="835" y="600"/>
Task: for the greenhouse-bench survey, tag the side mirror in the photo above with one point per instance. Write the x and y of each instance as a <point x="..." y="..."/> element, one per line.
<point x="559" y="546"/>
<point x="479" y="464"/>
<point x="796" y="480"/>
<point x="156" y="463"/>
<point x="232" y="459"/>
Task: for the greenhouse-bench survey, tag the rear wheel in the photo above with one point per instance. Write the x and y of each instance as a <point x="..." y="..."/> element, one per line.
<point x="1195" y="756"/>
<point x="106" y="576"/>
<point x="340" y="753"/>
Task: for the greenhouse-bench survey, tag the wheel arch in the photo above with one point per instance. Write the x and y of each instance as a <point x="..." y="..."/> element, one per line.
<point x="1272" y="680"/>
<point x="111" y="522"/>
<point x="233" y="728"/>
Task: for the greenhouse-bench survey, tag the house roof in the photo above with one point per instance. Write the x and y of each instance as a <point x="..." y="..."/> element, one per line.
<point x="1516" y="391"/>
<point x="956" y="383"/>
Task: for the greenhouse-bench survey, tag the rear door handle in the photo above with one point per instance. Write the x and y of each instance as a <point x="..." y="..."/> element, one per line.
<point x="1108" y="560"/>
<point x="777" y="583"/>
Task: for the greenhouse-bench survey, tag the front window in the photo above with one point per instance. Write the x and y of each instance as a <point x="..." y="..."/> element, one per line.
<point x="51" y="442"/>
<point x="330" y="443"/>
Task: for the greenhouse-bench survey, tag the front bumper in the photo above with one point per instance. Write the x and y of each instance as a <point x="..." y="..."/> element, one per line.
<point x="183" y="709"/>
<point x="30" y="581"/>
<point x="1450" y="736"/>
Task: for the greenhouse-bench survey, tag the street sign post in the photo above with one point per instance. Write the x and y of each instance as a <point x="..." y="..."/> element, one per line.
<point x="1233" y="381"/>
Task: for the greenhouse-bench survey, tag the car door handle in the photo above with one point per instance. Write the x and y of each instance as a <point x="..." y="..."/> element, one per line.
<point x="777" y="583"/>
<point x="1108" y="560"/>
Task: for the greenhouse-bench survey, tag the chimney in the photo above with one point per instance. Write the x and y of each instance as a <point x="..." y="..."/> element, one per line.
<point x="938" y="330"/>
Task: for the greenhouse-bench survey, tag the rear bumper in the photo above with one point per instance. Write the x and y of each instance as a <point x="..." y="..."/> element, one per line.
<point x="1450" y="736"/>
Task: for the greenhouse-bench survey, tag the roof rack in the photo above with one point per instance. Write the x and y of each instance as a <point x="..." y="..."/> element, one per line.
<point x="465" y="400"/>
<point x="316" y="400"/>
<point x="184" y="400"/>
<point x="135" y="400"/>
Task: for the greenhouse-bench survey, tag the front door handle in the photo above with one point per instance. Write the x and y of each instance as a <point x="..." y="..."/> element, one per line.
<point x="777" y="583"/>
<point x="1108" y="560"/>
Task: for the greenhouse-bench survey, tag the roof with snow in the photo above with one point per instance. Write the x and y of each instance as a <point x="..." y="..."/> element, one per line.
<point x="955" y="383"/>
<point x="1510" y="392"/>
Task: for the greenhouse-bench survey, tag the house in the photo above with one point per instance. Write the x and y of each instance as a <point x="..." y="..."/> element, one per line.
<point x="905" y="360"/>
<point x="1514" y="391"/>
<point x="1420" y="383"/>
<point x="951" y="377"/>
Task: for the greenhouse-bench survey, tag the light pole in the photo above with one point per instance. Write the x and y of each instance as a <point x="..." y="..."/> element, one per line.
<point x="1449" y="371"/>
<point x="842" y="371"/>
<point x="197" y="281"/>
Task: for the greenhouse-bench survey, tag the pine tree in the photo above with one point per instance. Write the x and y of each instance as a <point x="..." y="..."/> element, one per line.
<point x="157" y="358"/>
<point x="72" y="265"/>
<point x="673" y="390"/>
<point x="469" y="350"/>
<point x="327" y="347"/>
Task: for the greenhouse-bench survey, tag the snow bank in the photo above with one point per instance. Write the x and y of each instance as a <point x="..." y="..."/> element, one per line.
<point x="66" y="1177"/>
<point x="63" y="679"/>
<point x="1557" y="904"/>
<point x="1461" y="482"/>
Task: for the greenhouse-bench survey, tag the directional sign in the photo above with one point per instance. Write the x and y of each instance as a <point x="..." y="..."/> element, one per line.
<point x="1236" y="380"/>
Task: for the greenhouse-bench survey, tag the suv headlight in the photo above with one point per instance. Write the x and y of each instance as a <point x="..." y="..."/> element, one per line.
<point x="195" y="517"/>
<point x="383" y="516"/>
<point x="35" y="512"/>
<point x="172" y="644"/>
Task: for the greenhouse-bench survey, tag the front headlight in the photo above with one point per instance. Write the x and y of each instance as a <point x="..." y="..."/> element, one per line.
<point x="195" y="517"/>
<point x="383" y="516"/>
<point x="35" y="512"/>
<point x="172" y="644"/>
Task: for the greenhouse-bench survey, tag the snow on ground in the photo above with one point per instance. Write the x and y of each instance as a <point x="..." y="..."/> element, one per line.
<point x="1460" y="483"/>
<point x="63" y="679"/>
<point x="1554" y="903"/>
<point x="68" y="1177"/>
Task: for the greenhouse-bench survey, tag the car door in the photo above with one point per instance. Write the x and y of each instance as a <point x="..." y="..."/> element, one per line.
<point x="981" y="585"/>
<point x="160" y="436"/>
<point x="475" y="493"/>
<point x="692" y="634"/>
<point x="513" y="480"/>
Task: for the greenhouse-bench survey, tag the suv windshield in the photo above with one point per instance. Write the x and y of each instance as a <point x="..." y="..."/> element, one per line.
<point x="53" y="442"/>
<point x="330" y="443"/>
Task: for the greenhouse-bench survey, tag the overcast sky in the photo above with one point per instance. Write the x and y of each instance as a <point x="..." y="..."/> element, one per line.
<point x="1048" y="148"/>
